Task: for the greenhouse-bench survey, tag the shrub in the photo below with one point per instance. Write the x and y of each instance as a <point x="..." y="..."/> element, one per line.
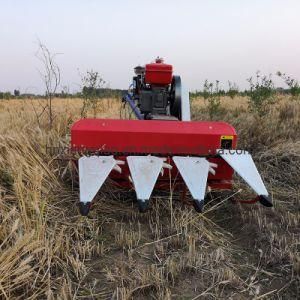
<point x="91" y="81"/>
<point x="233" y="90"/>
<point x="16" y="93"/>
<point x="293" y="84"/>
<point x="261" y="93"/>
<point x="211" y="93"/>
<point x="6" y="95"/>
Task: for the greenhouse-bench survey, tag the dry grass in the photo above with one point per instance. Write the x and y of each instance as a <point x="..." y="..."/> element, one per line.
<point x="231" y="251"/>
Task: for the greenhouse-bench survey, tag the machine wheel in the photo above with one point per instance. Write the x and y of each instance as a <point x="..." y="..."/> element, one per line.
<point x="175" y="97"/>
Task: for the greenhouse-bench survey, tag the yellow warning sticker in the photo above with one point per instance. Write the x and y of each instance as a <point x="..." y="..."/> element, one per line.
<point x="226" y="137"/>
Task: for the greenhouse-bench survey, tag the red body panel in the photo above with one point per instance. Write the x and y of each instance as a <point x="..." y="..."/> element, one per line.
<point x="158" y="74"/>
<point x="149" y="137"/>
<point x="160" y="138"/>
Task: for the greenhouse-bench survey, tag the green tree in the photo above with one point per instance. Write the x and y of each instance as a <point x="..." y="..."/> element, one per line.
<point x="211" y="93"/>
<point x="233" y="90"/>
<point x="7" y="95"/>
<point x="261" y="93"/>
<point x="91" y="83"/>
<point x="292" y="83"/>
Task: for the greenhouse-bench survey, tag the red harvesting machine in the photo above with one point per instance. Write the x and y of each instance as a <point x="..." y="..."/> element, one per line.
<point x="135" y="153"/>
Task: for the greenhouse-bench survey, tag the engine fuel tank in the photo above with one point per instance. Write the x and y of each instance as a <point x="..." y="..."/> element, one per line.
<point x="158" y="73"/>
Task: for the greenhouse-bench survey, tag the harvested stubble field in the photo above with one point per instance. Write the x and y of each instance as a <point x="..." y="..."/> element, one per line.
<point x="232" y="251"/>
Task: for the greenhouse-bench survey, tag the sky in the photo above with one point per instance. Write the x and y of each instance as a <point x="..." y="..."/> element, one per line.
<point x="203" y="39"/>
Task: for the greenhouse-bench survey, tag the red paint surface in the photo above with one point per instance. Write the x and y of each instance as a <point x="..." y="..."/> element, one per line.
<point x="149" y="137"/>
<point x="158" y="73"/>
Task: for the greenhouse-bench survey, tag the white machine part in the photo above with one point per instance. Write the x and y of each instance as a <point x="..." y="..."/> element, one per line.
<point x="93" y="171"/>
<point x="185" y="104"/>
<point x="241" y="161"/>
<point x="144" y="171"/>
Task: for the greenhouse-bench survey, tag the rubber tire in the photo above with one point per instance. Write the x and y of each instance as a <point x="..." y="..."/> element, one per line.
<point x="175" y="96"/>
